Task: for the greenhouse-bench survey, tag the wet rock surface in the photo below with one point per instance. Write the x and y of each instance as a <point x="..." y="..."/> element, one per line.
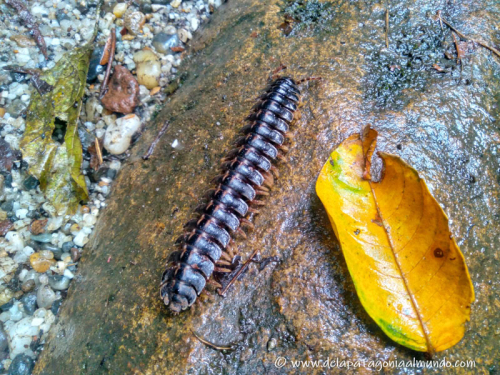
<point x="303" y="307"/>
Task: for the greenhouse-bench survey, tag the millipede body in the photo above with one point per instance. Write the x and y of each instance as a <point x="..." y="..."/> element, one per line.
<point x="245" y="174"/>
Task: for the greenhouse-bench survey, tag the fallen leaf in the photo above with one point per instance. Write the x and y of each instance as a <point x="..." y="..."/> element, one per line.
<point x="177" y="49"/>
<point x="57" y="165"/>
<point x="407" y="269"/>
<point x="5" y="226"/>
<point x="7" y="156"/>
<point x="438" y="68"/>
<point x="38" y="226"/>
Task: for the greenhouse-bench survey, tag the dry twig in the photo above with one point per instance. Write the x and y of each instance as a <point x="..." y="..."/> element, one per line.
<point x="151" y="148"/>
<point x="30" y="23"/>
<point x="111" y="47"/>
<point x="481" y="43"/>
<point x="98" y="152"/>
<point x="211" y="345"/>
<point x="387" y="28"/>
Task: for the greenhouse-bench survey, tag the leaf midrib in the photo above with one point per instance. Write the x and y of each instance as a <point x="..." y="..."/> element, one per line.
<point x="408" y="291"/>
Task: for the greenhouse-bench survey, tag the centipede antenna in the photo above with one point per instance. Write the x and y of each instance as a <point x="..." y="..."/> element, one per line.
<point x="275" y="72"/>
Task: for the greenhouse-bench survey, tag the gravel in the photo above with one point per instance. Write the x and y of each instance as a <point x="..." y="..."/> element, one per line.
<point x="36" y="269"/>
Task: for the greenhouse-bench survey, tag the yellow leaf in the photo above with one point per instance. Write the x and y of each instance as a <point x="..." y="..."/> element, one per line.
<point x="407" y="269"/>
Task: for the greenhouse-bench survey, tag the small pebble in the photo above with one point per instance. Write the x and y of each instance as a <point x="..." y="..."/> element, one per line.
<point x="133" y="22"/>
<point x="58" y="282"/>
<point x="29" y="303"/>
<point x="40" y="263"/>
<point x="163" y="42"/>
<point x="4" y="341"/>
<point x="271" y="344"/>
<point x="45" y="297"/>
<point x="118" y="136"/>
<point x="67" y="246"/>
<point x="184" y="35"/>
<point x="55" y="306"/>
<point x="28" y="285"/>
<point x="44" y="238"/>
<point x="5" y="296"/>
<point x="75" y="254"/>
<point x="148" y="68"/>
<point x="120" y="9"/>
<point x="21" y="365"/>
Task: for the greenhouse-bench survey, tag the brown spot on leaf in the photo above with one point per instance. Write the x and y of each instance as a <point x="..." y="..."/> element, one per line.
<point x="438" y="253"/>
<point x="357" y="231"/>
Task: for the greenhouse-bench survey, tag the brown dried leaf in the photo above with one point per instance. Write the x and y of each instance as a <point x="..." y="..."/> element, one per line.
<point x="38" y="226"/>
<point x="5" y="226"/>
<point x="438" y="68"/>
<point x="7" y="156"/>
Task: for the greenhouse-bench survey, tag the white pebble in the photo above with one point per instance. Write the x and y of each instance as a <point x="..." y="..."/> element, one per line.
<point x="119" y="135"/>
<point x="184" y="35"/>
<point x="15" y="240"/>
<point x="89" y="220"/>
<point x="68" y="274"/>
<point x="44" y="279"/>
<point x="22" y="274"/>
<point x="21" y="213"/>
<point x="4" y="316"/>
<point x="120" y="9"/>
<point x="80" y="239"/>
<point x="195" y="22"/>
<point x="37" y="322"/>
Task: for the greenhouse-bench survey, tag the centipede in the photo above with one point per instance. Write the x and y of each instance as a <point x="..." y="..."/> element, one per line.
<point x="247" y="174"/>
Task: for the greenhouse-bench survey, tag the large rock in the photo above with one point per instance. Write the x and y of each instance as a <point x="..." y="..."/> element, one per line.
<point x="305" y="306"/>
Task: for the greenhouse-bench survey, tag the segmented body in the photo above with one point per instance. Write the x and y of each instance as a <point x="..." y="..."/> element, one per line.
<point x="245" y="172"/>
